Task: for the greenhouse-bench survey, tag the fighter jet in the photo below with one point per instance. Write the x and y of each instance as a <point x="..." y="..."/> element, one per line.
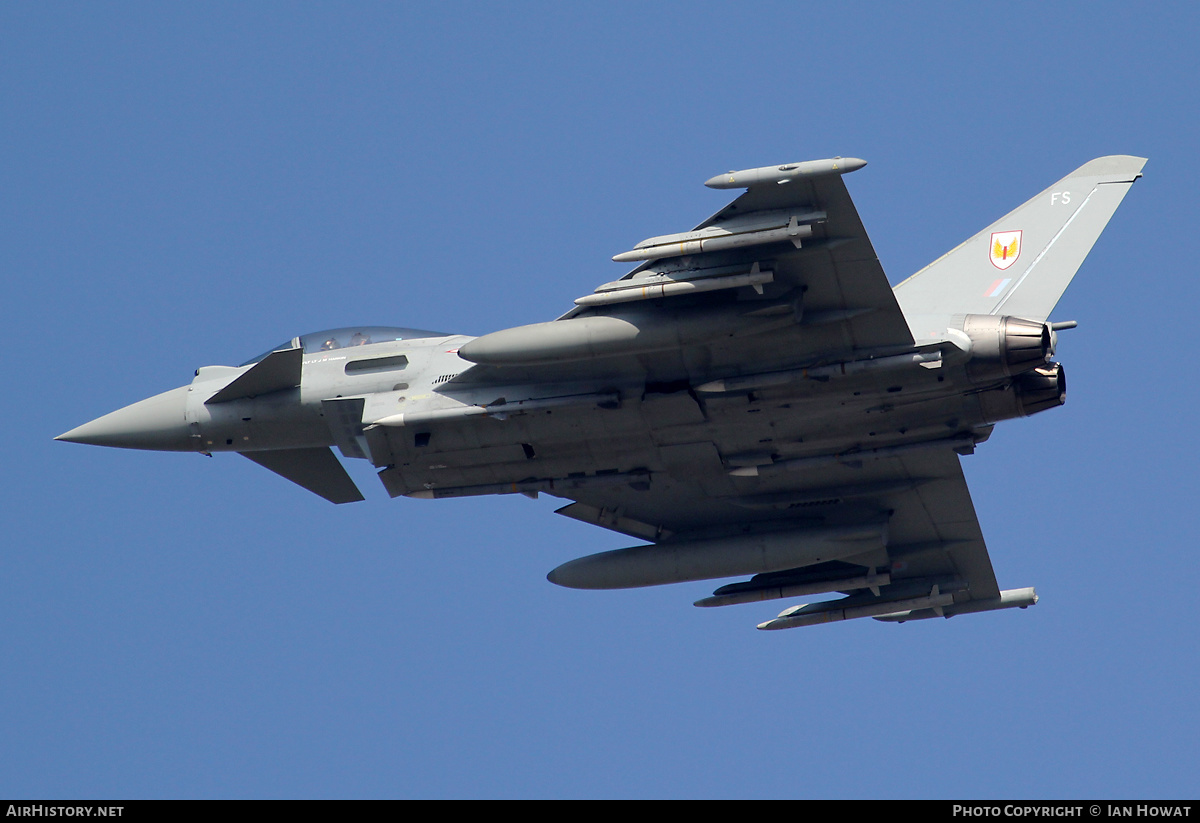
<point x="753" y="400"/>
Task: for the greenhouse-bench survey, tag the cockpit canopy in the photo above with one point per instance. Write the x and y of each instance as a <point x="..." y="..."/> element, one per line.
<point x="350" y="336"/>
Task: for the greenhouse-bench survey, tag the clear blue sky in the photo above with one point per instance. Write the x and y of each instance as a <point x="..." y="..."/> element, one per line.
<point x="189" y="184"/>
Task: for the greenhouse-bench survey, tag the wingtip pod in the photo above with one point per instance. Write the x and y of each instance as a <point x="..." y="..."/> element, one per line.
<point x="785" y="173"/>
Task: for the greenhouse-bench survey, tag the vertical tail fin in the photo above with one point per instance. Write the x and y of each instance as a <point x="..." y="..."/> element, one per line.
<point x="1021" y="264"/>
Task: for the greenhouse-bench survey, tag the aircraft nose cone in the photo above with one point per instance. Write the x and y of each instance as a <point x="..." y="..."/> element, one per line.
<point x="156" y="423"/>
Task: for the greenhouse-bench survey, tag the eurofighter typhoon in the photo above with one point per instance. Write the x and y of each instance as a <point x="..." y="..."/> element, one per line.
<point x="753" y="400"/>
